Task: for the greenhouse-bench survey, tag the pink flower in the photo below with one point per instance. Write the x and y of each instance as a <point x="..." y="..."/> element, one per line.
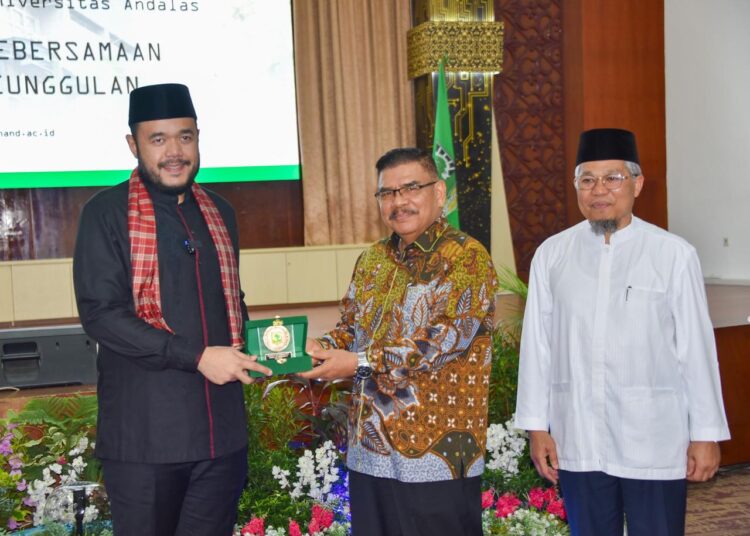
<point x="322" y="516"/>
<point x="21" y="486"/>
<point x="313" y="526"/>
<point x="536" y="498"/>
<point x="488" y="497"/>
<point x="12" y="524"/>
<point x="256" y="527"/>
<point x="506" y="505"/>
<point x="550" y="494"/>
<point x="61" y="460"/>
<point x="294" y="529"/>
<point x="556" y="508"/>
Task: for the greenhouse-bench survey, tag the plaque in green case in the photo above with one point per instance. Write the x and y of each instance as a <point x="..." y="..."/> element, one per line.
<point x="279" y="343"/>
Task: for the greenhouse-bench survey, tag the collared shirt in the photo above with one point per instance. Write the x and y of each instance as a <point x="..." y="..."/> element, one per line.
<point x="424" y="316"/>
<point x="618" y="358"/>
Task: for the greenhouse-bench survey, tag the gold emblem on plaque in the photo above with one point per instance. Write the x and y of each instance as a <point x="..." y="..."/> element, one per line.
<point x="276" y="338"/>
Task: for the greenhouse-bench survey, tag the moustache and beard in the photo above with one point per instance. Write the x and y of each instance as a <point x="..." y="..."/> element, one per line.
<point x="603" y="227"/>
<point x="153" y="176"/>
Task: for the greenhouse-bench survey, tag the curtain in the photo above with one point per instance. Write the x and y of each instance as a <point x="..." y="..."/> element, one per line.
<point x="354" y="102"/>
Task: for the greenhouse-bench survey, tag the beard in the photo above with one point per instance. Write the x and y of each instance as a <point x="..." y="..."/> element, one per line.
<point x="603" y="227"/>
<point x="153" y="176"/>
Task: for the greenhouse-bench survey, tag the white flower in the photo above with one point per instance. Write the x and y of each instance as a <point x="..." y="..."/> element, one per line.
<point x="52" y="476"/>
<point x="90" y="513"/>
<point x="316" y="473"/>
<point x="80" y="447"/>
<point x="78" y="464"/>
<point x="282" y="476"/>
<point x="38" y="491"/>
<point x="505" y="445"/>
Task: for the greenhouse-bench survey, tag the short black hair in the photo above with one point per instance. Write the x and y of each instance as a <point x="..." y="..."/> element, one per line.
<point x="406" y="155"/>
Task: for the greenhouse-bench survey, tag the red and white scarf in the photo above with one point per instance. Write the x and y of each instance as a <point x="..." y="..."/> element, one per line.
<point x="145" y="260"/>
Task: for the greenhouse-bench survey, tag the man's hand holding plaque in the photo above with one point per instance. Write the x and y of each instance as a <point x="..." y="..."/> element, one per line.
<point x="224" y="364"/>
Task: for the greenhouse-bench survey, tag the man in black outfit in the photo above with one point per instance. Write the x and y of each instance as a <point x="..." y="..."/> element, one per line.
<point x="157" y="286"/>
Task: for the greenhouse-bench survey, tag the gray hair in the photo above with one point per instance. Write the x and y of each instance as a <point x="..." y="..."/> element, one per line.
<point x="633" y="168"/>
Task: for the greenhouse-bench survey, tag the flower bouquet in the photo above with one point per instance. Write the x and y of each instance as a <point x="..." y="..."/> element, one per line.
<point x="541" y="514"/>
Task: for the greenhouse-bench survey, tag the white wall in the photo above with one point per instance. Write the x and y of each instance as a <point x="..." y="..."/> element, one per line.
<point x="707" y="48"/>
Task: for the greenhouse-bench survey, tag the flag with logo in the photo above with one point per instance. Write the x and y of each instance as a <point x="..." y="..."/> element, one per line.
<point x="442" y="150"/>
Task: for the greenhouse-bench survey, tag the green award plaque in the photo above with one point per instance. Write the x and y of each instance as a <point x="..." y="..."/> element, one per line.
<point x="279" y="344"/>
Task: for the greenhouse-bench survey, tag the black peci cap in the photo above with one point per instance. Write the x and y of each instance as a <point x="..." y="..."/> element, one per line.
<point x="161" y="101"/>
<point x="607" y="144"/>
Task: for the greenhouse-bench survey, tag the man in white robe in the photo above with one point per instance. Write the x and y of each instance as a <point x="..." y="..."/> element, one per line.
<point x="619" y="380"/>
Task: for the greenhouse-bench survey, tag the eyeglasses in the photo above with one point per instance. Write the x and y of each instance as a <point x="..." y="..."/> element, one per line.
<point x="407" y="191"/>
<point x="611" y="181"/>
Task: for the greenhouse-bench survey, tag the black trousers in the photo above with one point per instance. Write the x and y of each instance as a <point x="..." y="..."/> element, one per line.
<point x="596" y="504"/>
<point x="181" y="499"/>
<point x="387" y="507"/>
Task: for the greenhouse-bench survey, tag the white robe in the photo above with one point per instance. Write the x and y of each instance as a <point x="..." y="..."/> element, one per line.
<point x="618" y="358"/>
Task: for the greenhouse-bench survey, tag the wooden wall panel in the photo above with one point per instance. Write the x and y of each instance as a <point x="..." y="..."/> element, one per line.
<point x="41" y="223"/>
<point x="528" y="106"/>
<point x="733" y="346"/>
<point x="614" y="77"/>
<point x="269" y="214"/>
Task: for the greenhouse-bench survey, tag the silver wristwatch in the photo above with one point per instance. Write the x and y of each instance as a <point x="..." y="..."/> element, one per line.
<point x="364" y="369"/>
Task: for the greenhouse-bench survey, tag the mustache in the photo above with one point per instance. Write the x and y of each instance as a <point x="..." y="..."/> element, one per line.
<point x="397" y="211"/>
<point x="172" y="162"/>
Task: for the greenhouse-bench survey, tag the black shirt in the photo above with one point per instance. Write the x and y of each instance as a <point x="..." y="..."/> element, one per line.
<point x="154" y="407"/>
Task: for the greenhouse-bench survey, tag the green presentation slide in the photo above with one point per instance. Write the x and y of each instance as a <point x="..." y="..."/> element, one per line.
<point x="67" y="68"/>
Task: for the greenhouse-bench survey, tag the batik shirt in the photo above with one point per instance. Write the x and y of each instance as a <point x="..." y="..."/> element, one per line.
<point x="424" y="315"/>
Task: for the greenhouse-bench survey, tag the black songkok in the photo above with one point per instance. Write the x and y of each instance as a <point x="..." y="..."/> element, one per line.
<point x="161" y="101"/>
<point x="607" y="144"/>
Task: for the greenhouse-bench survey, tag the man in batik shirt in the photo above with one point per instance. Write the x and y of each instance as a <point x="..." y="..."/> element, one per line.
<point x="415" y="333"/>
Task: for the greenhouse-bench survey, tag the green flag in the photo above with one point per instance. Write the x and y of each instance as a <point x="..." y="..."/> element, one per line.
<point x="442" y="150"/>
